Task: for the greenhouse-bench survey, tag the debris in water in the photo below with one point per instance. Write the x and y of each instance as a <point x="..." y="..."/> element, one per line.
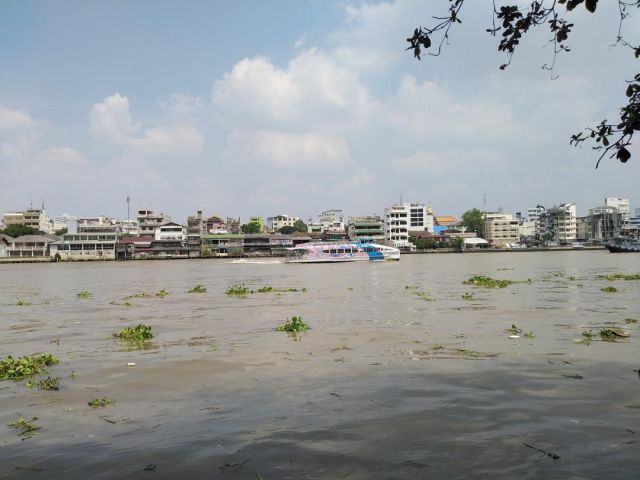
<point x="609" y="289"/>
<point x="27" y="427"/>
<point x="294" y="325"/>
<point x="139" y="332"/>
<point x="487" y="282"/>
<point x="198" y="289"/>
<point x="131" y="364"/>
<point x="101" y="402"/>
<point x="548" y="454"/>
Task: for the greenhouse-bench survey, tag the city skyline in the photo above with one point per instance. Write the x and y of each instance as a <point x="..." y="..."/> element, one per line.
<point x="296" y="108"/>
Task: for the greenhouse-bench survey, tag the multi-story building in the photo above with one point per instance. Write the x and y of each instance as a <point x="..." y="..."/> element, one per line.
<point x="196" y="224"/>
<point x="501" y="229"/>
<point x="37" y="219"/>
<point x="171" y="231"/>
<point x="148" y="221"/>
<point x="559" y="224"/>
<point x="396" y="225"/>
<point x="62" y="222"/>
<point x="276" y="223"/>
<point x="605" y="222"/>
<point x="87" y="239"/>
<point x="13" y="218"/>
<point x="5" y="245"/>
<point x="366" y="228"/>
<point x="622" y="206"/>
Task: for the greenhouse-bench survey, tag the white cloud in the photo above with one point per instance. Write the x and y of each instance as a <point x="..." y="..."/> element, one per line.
<point x="312" y="93"/>
<point x="360" y="179"/>
<point x="14" y="119"/>
<point x="112" y="119"/>
<point x="287" y="149"/>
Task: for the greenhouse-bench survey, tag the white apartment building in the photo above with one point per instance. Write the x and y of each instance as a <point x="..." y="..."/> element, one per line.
<point x="402" y="219"/>
<point x="501" y="229"/>
<point x="170" y="231"/>
<point x="58" y="223"/>
<point x="13" y="218"/>
<point x="622" y="206"/>
<point x="396" y="225"/>
<point x="276" y="223"/>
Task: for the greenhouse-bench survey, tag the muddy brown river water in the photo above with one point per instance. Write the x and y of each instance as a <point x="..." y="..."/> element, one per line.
<point x="390" y="382"/>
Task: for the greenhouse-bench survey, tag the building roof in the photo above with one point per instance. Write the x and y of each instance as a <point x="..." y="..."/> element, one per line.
<point x="445" y="219"/>
<point x="169" y="224"/>
<point x="32" y="239"/>
<point x="475" y="241"/>
<point x="140" y="239"/>
<point x="5" y="238"/>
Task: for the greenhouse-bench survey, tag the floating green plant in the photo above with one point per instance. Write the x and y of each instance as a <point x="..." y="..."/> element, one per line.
<point x="199" y="289"/>
<point x="270" y="289"/>
<point x="437" y="347"/>
<point x="138" y="295"/>
<point x="609" y="289"/>
<point x="238" y="290"/>
<point x="26" y="366"/>
<point x="630" y="320"/>
<point x="608" y="335"/>
<point x="294" y="325"/>
<point x="529" y="335"/>
<point x="22" y="303"/>
<point x="100" y="402"/>
<point x="45" y="384"/>
<point x="161" y="293"/>
<point x="125" y="303"/>
<point x="341" y="347"/>
<point x="487" y="282"/>
<point x="514" y="330"/>
<point x="467" y="296"/>
<point x="621" y="276"/>
<point x="83" y="294"/>
<point x="572" y="278"/>
<point x="26" y="427"/>
<point x="139" y="332"/>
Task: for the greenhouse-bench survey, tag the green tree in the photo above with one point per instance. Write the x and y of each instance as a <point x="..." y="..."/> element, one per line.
<point x="61" y="232"/>
<point x="512" y="22"/>
<point x="300" y="226"/>
<point x="424" y="243"/>
<point x="18" y="230"/>
<point x="287" y="230"/>
<point x="474" y="221"/>
<point x="250" y="227"/>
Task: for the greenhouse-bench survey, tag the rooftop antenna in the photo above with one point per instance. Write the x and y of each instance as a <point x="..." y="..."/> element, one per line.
<point x="128" y="221"/>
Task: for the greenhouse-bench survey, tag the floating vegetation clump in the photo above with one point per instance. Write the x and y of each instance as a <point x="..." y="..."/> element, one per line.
<point x="138" y="333"/>
<point x="45" y="384"/>
<point x="238" y="290"/>
<point x="529" y="335"/>
<point x="630" y="320"/>
<point x="514" y="330"/>
<point x="26" y="366"/>
<point x="199" y="289"/>
<point x="83" y="294"/>
<point x="125" y="303"/>
<point x="22" y="303"/>
<point x="608" y="335"/>
<point x="341" y="347"/>
<point x="621" y="276"/>
<point x="487" y="282"/>
<point x="161" y="293"/>
<point x="138" y="295"/>
<point x="100" y="402"/>
<point x="270" y="289"/>
<point x="26" y="427"/>
<point x="467" y="296"/>
<point x="609" y="289"/>
<point x="587" y="336"/>
<point x="423" y="295"/>
<point x="294" y="325"/>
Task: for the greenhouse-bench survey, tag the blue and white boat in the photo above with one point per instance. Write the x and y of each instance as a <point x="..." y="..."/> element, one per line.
<point x="341" y="252"/>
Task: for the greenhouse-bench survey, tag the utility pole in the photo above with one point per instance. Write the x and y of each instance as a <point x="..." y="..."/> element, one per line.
<point x="128" y="226"/>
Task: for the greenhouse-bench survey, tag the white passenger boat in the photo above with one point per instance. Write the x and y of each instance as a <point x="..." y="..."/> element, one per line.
<point x="341" y="252"/>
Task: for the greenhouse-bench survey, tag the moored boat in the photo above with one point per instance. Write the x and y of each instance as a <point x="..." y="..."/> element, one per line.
<point x="341" y="252"/>
<point x="623" y="245"/>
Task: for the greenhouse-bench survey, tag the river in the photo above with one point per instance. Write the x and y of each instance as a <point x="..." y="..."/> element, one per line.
<point x="399" y="376"/>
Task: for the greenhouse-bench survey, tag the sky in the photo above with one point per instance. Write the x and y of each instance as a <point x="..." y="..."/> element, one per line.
<point x="294" y="107"/>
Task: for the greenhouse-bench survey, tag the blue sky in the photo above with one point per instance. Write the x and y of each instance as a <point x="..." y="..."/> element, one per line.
<point x="260" y="108"/>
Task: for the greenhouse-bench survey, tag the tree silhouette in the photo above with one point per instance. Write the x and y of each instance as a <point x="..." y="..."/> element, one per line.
<point x="512" y="22"/>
